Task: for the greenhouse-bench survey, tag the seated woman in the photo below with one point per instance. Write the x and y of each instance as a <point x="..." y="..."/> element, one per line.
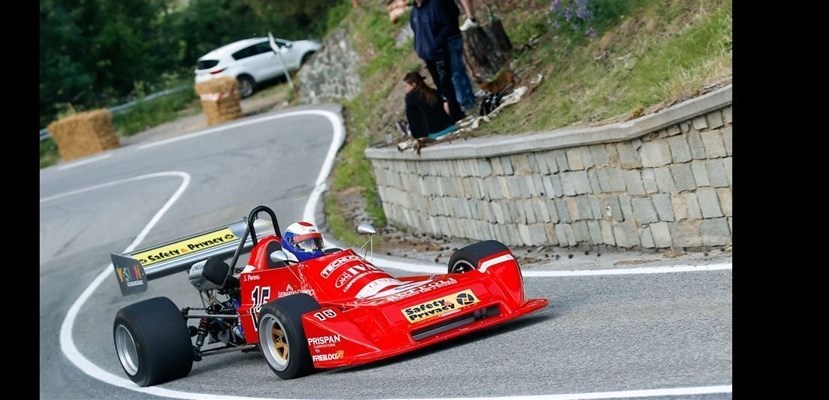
<point x="425" y="110"/>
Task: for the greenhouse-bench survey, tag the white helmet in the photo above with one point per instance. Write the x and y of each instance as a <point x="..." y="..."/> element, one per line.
<point x="303" y="240"/>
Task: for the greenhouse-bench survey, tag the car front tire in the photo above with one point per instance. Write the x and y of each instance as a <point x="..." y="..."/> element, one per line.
<point x="468" y="258"/>
<point x="282" y="336"/>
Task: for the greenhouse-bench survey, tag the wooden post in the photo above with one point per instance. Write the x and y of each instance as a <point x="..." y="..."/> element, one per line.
<point x="487" y="49"/>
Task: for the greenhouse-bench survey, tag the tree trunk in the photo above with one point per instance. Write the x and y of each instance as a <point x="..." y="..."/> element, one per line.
<point x="486" y="49"/>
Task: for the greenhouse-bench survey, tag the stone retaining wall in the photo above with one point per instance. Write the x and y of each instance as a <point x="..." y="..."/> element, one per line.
<point x="332" y="73"/>
<point x="660" y="181"/>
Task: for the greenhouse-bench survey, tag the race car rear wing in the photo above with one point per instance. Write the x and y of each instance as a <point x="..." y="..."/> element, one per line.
<point x="133" y="269"/>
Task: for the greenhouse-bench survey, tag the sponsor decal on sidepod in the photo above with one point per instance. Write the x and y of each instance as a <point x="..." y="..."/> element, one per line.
<point x="289" y="290"/>
<point x="330" y="356"/>
<point x="324" y="341"/>
<point x="352" y="274"/>
<point x="420" y="288"/>
<point x="327" y="271"/>
<point x="374" y="286"/>
<point x="437" y="307"/>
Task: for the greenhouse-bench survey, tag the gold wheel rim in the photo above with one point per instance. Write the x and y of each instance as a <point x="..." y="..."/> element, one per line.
<point x="280" y="345"/>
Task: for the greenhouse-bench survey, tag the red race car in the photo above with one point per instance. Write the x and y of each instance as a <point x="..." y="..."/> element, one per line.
<point x="332" y="311"/>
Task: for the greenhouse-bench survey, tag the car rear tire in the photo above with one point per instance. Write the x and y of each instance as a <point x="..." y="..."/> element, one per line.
<point x="152" y="341"/>
<point x="246" y="86"/>
<point x="468" y="258"/>
<point x="282" y="336"/>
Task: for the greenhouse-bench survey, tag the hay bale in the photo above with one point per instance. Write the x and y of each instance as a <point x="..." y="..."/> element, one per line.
<point x="83" y="134"/>
<point x="219" y="100"/>
<point x="217" y="85"/>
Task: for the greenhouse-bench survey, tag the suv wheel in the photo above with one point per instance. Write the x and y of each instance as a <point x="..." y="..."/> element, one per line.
<point x="245" y="84"/>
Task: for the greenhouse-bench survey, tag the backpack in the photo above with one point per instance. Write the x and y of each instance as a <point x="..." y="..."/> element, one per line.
<point x="489" y="103"/>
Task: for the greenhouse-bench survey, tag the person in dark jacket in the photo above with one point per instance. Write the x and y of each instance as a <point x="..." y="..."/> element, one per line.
<point x="425" y="110"/>
<point x="435" y="23"/>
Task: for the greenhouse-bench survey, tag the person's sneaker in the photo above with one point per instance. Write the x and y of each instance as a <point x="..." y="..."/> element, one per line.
<point x="469" y="23"/>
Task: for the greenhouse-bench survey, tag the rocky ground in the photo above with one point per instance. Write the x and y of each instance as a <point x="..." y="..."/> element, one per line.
<point x="429" y="249"/>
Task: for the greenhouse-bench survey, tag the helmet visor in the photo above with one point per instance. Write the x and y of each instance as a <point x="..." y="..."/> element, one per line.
<point x="310" y="244"/>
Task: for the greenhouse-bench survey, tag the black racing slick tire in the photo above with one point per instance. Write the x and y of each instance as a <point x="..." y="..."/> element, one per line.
<point x="152" y="341"/>
<point x="468" y="258"/>
<point x="282" y="338"/>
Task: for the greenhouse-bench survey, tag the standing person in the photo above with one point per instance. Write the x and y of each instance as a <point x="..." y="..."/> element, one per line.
<point x="463" y="87"/>
<point x="434" y="23"/>
<point x="425" y="109"/>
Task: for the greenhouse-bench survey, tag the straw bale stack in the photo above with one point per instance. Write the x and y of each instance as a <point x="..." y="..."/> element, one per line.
<point x="82" y="134"/>
<point x="219" y="100"/>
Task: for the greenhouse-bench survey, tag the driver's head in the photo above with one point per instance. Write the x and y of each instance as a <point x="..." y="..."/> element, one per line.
<point x="303" y="240"/>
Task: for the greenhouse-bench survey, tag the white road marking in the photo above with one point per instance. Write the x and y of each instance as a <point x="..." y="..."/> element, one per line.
<point x="113" y="183"/>
<point x="72" y="353"/>
<point x="319" y="185"/>
<point x="420" y="267"/>
<point x="67" y="343"/>
<point x="334" y="118"/>
<point x="84" y="162"/>
<point x="632" y="271"/>
<point x="687" y="391"/>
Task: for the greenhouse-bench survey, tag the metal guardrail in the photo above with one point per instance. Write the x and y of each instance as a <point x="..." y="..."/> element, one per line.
<point x="44" y="133"/>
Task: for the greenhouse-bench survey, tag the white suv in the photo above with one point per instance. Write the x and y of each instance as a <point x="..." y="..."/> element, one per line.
<point x="251" y="61"/>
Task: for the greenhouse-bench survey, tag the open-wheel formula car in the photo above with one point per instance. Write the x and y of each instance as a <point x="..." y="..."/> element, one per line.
<point x="332" y="311"/>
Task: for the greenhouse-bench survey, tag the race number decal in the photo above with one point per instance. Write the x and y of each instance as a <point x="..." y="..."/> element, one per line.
<point x="259" y="296"/>
<point x="325" y="314"/>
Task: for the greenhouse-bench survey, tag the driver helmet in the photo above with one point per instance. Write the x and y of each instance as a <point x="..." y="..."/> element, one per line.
<point x="303" y="240"/>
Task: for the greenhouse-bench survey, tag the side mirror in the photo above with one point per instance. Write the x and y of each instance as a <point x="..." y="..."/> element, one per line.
<point x="366" y="229"/>
<point x="279" y="256"/>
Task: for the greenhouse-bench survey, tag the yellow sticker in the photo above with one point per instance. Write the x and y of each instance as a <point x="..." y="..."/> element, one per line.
<point x="184" y="247"/>
<point x="437" y="307"/>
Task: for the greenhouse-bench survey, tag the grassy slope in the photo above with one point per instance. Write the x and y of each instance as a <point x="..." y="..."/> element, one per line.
<point x="155" y="112"/>
<point x="381" y="66"/>
<point x="655" y="53"/>
<point x="663" y="52"/>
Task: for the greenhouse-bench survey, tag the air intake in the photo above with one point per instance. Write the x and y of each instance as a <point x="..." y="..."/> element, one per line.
<point x="455" y="322"/>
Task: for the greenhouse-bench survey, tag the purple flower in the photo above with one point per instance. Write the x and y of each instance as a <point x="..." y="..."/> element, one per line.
<point x="574" y="15"/>
<point x="582" y="10"/>
<point x="555" y="6"/>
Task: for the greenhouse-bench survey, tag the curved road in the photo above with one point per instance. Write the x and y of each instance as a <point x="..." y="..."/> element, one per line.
<point x="600" y="334"/>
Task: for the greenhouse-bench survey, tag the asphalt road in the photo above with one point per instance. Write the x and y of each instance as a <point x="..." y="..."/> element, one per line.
<point x="601" y="333"/>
